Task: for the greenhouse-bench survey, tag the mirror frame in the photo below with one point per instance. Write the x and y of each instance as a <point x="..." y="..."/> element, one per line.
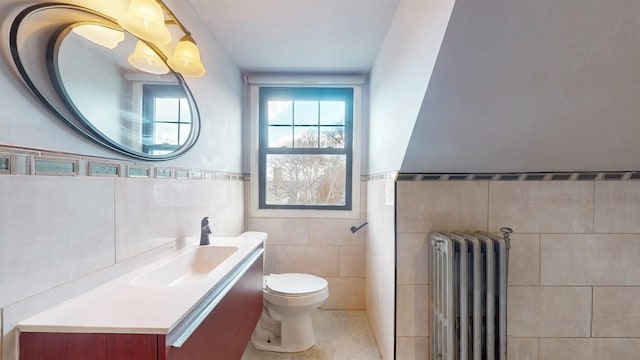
<point x="70" y="114"/>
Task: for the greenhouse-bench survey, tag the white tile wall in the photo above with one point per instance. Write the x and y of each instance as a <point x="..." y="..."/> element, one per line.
<point x="54" y="230"/>
<point x="590" y="259"/>
<point x="537" y="311"/>
<point x="524" y="259"/>
<point x="574" y="283"/>
<point x="433" y="205"/>
<point x="412" y="348"/>
<point x="589" y="349"/>
<point x="522" y="348"/>
<point x="320" y="246"/>
<point x="413" y="249"/>
<point x="64" y="235"/>
<point x="616" y="312"/>
<point x="345" y="293"/>
<point x="413" y="305"/>
<point x="542" y="206"/>
<point x="617" y="207"/>
<point x="166" y="211"/>
<point x="380" y="267"/>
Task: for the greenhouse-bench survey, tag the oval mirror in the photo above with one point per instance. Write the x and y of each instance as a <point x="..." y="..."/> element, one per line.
<point x="91" y="84"/>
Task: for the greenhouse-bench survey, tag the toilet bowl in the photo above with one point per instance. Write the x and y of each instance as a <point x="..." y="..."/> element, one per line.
<point x="289" y="301"/>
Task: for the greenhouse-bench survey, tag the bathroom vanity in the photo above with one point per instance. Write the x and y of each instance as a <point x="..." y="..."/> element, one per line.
<point x="201" y="302"/>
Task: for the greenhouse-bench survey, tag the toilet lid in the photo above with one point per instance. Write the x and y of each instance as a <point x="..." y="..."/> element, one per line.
<point x="294" y="283"/>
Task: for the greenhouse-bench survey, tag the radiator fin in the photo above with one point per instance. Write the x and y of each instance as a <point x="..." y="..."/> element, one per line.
<point x="468" y="296"/>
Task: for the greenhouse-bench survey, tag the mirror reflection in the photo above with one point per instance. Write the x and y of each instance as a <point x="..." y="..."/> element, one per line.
<point x="146" y="113"/>
<point x="94" y="83"/>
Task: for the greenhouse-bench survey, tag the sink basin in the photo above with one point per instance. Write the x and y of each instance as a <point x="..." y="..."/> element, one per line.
<point x="187" y="268"/>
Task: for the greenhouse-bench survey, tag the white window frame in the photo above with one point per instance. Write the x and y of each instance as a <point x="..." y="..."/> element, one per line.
<point x="254" y="82"/>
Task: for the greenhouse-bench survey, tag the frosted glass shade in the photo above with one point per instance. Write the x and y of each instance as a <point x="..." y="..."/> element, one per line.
<point x="101" y="35"/>
<point x="145" y="59"/>
<point x="186" y="59"/>
<point x="145" y="20"/>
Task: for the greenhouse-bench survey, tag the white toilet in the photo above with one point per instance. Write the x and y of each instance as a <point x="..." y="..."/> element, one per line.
<point x="289" y="300"/>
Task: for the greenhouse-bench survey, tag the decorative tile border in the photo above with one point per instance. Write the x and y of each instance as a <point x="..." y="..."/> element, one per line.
<point x="104" y="169"/>
<point x="138" y="171"/>
<point x="542" y="176"/>
<point x="6" y="162"/>
<point x="18" y="161"/>
<point x="46" y="165"/>
<point x="383" y="176"/>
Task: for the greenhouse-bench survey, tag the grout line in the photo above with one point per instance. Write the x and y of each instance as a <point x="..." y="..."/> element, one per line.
<point x="115" y="225"/>
<point x="591" y="320"/>
<point x="593" y="223"/>
<point x="488" y="204"/>
<point x="539" y="259"/>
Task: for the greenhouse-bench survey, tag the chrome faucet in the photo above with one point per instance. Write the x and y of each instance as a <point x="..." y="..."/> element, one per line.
<point x="205" y="230"/>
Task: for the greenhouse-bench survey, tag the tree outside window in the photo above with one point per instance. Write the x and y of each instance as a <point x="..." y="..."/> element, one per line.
<point x="306" y="148"/>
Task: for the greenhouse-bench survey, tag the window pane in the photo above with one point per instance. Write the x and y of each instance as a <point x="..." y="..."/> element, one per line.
<point x="332" y="137"/>
<point x="280" y="112"/>
<point x="305" y="180"/>
<point x="185" y="111"/>
<point x="185" y="130"/>
<point x="280" y="136"/>
<point x="332" y="112"/>
<point x="306" y="113"/>
<point x="306" y="137"/>
<point x="166" y="109"/>
<point x="165" y="134"/>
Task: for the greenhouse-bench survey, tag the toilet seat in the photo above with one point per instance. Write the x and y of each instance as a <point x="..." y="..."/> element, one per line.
<point x="294" y="284"/>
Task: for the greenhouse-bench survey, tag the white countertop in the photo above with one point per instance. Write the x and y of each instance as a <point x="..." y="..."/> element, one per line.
<point x="120" y="307"/>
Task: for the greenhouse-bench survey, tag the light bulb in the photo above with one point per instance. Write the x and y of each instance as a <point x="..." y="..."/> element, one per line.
<point x="186" y="59"/>
<point x="145" y="20"/>
<point x="145" y="59"/>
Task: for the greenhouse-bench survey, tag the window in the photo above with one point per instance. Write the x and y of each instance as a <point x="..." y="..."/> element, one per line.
<point x="305" y="148"/>
<point x="166" y="122"/>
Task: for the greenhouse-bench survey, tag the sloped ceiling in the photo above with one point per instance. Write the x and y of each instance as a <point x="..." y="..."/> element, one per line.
<point x="545" y="85"/>
<point x="321" y="36"/>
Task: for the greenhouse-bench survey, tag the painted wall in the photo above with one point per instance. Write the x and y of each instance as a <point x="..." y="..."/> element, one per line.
<point x="64" y="235"/>
<point x="400" y="76"/>
<point x="532" y="86"/>
<point x="574" y="286"/>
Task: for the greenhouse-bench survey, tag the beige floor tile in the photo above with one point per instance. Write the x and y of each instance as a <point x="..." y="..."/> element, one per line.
<point x="321" y="351"/>
<point x="355" y="350"/>
<point x="350" y="325"/>
<point x="340" y="335"/>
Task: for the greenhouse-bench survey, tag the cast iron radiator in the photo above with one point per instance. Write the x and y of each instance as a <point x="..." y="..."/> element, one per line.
<point x="469" y="295"/>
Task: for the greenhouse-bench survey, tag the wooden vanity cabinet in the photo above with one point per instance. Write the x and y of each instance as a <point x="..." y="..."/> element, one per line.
<point x="223" y="335"/>
<point x="76" y="346"/>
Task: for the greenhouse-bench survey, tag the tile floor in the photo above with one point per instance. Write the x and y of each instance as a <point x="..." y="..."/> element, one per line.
<point x="340" y="335"/>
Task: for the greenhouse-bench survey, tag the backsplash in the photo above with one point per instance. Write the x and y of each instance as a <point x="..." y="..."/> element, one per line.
<point x="70" y="223"/>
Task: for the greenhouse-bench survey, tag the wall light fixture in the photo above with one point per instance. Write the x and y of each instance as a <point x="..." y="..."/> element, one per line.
<point x="146" y="20"/>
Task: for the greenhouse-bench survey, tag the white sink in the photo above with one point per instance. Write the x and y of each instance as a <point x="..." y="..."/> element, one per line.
<point x="187" y="268"/>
